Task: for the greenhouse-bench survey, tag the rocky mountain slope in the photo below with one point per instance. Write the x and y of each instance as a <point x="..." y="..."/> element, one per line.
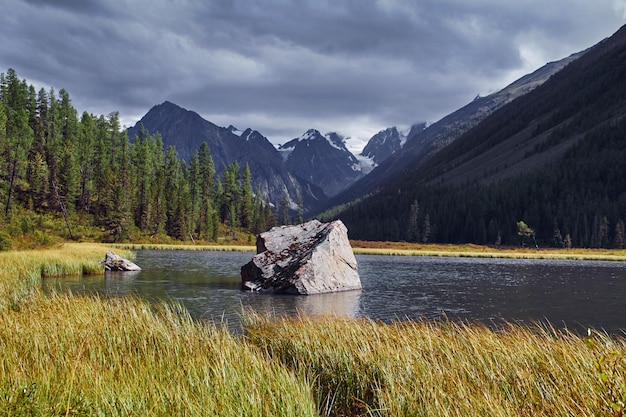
<point x="423" y="142"/>
<point x="552" y="158"/>
<point x="322" y="160"/>
<point x="383" y="144"/>
<point x="186" y="130"/>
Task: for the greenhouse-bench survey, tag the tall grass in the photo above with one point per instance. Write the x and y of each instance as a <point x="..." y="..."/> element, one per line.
<point x="71" y="355"/>
<point x="187" y="247"/>
<point x="86" y="355"/>
<point x="447" y="369"/>
<point x="481" y="251"/>
<point x="21" y="271"/>
<point x="65" y="355"/>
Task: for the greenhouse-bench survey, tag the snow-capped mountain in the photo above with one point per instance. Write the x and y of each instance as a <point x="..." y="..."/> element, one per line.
<point x="383" y="144"/>
<point x="310" y="168"/>
<point x="323" y="160"/>
<point x="186" y="130"/>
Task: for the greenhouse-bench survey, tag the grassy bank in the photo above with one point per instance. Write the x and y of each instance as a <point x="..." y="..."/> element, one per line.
<point x="185" y="246"/>
<point x="21" y="271"/>
<point x="78" y="355"/>
<point x="478" y="251"/>
<point x="360" y="247"/>
<point x="65" y="355"/>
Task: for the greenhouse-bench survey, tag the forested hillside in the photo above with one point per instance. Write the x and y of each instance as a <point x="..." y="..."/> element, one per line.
<point x="553" y="159"/>
<point x="82" y="171"/>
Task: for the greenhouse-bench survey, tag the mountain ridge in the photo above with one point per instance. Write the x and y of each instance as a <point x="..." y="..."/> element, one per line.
<point x="424" y="141"/>
<point x="552" y="158"/>
<point x="186" y="130"/>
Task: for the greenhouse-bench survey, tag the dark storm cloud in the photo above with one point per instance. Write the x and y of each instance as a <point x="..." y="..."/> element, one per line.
<point x="279" y="66"/>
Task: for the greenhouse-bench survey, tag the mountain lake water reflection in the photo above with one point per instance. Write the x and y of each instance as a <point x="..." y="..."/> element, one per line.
<point x="572" y="294"/>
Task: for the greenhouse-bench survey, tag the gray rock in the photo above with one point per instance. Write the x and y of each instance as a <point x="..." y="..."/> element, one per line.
<point x="113" y="262"/>
<point x="309" y="258"/>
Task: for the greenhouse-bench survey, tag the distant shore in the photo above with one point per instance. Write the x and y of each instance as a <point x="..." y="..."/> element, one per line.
<point x="361" y="247"/>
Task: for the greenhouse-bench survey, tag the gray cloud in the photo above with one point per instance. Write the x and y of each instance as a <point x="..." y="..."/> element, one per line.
<point x="282" y="67"/>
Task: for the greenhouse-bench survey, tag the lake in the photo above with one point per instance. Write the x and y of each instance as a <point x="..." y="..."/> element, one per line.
<point x="572" y="294"/>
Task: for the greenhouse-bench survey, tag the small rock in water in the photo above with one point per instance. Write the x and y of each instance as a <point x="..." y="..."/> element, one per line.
<point x="113" y="262"/>
<point x="308" y="258"/>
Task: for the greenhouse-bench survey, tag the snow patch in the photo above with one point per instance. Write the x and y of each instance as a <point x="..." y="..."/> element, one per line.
<point x="235" y="131"/>
<point x="247" y="137"/>
<point x="333" y="138"/>
<point x="285" y="152"/>
<point x="308" y="135"/>
<point x="404" y="135"/>
<point x="365" y="164"/>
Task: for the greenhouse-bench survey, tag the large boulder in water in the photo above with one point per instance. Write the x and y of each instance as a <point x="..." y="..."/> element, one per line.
<point x="308" y="258"/>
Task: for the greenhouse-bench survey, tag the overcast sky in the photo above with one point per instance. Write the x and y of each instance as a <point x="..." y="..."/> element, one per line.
<point x="282" y="67"/>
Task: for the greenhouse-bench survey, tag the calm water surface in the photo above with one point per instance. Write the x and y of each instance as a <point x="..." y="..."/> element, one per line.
<point x="575" y="294"/>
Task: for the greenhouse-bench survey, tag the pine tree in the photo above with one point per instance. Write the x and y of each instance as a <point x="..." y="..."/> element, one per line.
<point x="208" y="214"/>
<point x="53" y="148"/>
<point x="259" y="222"/>
<point x="157" y="193"/>
<point x="426" y="229"/>
<point x="37" y="174"/>
<point x="18" y="136"/>
<point x="173" y="223"/>
<point x="3" y="145"/>
<point x="195" y="191"/>
<point x="619" y="241"/>
<point x="231" y="195"/>
<point x="85" y="158"/>
<point x="16" y="146"/>
<point x="246" y="198"/>
<point x="413" y="232"/>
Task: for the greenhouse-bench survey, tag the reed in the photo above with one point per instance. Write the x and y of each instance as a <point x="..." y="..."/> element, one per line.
<point x="21" y="271"/>
<point x="70" y="355"/>
<point x="361" y="367"/>
<point x="87" y="355"/>
<point x="188" y="247"/>
<point x="478" y="251"/>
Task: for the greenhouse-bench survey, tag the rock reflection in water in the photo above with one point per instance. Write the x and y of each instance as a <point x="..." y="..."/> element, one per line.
<point x="340" y="304"/>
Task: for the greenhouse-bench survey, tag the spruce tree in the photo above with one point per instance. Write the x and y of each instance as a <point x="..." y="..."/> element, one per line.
<point x="246" y="198"/>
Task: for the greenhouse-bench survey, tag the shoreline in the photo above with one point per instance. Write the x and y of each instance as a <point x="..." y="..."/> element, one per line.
<point x="412" y="249"/>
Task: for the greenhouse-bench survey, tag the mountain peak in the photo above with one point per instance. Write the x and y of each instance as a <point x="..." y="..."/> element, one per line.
<point x="383" y="144"/>
<point x="232" y="129"/>
<point x="322" y="160"/>
<point x="310" y="134"/>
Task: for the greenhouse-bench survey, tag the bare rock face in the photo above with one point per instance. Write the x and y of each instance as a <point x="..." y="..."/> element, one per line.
<point x="113" y="262"/>
<point x="309" y="258"/>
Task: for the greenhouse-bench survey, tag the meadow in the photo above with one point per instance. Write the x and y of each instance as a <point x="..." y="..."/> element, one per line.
<point x="89" y="355"/>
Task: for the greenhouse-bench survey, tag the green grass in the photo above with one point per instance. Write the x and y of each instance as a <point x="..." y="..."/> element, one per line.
<point x="413" y="249"/>
<point x="67" y="355"/>
<point x="185" y="246"/>
<point x="361" y="367"/>
<point x="78" y="355"/>
<point x="87" y="355"/>
<point x="21" y="271"/>
<point x="480" y="251"/>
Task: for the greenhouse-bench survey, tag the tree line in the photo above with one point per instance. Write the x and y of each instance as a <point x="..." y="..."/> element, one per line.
<point x="87" y="170"/>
